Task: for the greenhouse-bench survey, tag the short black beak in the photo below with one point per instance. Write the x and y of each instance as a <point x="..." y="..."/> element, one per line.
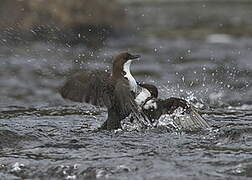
<point x="134" y="57"/>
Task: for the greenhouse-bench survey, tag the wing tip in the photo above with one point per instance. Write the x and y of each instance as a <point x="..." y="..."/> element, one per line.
<point x="199" y="120"/>
<point x="191" y="121"/>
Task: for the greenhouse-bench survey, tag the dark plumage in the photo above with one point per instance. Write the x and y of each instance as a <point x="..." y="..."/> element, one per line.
<point x="154" y="108"/>
<point x="100" y="88"/>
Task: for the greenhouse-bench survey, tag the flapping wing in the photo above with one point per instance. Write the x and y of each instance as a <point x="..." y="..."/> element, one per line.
<point x="186" y="116"/>
<point x="192" y="121"/>
<point x="171" y="104"/>
<point x="125" y="102"/>
<point x="92" y="87"/>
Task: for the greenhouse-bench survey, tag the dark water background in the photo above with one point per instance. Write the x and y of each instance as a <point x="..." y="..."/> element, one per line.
<point x="44" y="137"/>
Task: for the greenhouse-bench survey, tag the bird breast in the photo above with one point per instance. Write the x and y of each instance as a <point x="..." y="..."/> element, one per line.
<point x="131" y="79"/>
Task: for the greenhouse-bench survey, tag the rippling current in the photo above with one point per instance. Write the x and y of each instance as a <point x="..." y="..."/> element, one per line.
<point x="44" y="137"/>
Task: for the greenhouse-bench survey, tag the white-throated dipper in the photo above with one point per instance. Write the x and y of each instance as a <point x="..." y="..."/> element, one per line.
<point x="154" y="108"/>
<point x="115" y="90"/>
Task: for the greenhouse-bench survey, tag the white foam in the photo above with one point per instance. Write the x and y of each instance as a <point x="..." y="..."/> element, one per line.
<point x="219" y="38"/>
<point x="17" y="167"/>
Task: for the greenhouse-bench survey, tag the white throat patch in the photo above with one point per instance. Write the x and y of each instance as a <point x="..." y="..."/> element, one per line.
<point x="142" y="96"/>
<point x="151" y="104"/>
<point x="132" y="81"/>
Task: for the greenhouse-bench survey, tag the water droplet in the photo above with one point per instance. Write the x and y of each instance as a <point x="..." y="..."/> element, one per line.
<point x="71" y="177"/>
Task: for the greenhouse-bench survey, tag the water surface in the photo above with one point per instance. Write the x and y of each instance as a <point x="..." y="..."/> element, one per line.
<point x="44" y="137"/>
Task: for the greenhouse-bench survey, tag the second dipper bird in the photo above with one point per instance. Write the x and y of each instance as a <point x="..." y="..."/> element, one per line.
<point x="154" y="108"/>
<point x="115" y="90"/>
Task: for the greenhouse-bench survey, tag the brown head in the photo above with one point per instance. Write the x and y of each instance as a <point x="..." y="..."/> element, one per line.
<point x="151" y="88"/>
<point x="119" y="63"/>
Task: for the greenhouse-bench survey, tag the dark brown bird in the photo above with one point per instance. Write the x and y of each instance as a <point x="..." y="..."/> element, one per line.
<point x="154" y="108"/>
<point x="115" y="90"/>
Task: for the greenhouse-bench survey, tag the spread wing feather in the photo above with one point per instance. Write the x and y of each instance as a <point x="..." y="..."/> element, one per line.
<point x="190" y="120"/>
<point x="96" y="87"/>
<point x="124" y="98"/>
<point x="126" y="104"/>
<point x="92" y="87"/>
<point x="171" y="104"/>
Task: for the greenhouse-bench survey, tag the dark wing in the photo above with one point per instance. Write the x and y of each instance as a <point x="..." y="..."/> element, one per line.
<point x="88" y="86"/>
<point x="171" y="104"/>
<point x="125" y="102"/>
<point x="190" y="120"/>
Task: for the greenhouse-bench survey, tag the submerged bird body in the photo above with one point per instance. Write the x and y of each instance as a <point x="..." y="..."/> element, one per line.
<point x="154" y="108"/>
<point x="115" y="90"/>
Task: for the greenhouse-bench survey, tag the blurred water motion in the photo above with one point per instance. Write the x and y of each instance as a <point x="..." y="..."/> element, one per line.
<point x="199" y="50"/>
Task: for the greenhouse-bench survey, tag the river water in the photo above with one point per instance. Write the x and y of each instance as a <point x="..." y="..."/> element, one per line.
<point x="43" y="136"/>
